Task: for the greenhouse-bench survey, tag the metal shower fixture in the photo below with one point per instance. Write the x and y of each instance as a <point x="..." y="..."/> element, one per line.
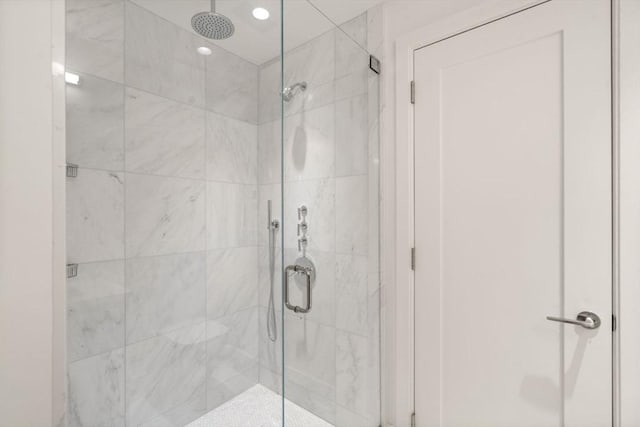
<point x="290" y="91"/>
<point x="212" y="25"/>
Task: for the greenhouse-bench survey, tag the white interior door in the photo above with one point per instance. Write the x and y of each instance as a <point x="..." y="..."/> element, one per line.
<point x="513" y="221"/>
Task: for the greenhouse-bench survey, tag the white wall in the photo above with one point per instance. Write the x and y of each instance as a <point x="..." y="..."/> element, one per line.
<point x="399" y="17"/>
<point x="26" y="213"/>
<point x="630" y="212"/>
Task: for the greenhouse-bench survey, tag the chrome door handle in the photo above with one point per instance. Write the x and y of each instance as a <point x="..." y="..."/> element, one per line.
<point x="298" y="269"/>
<point x="586" y="319"/>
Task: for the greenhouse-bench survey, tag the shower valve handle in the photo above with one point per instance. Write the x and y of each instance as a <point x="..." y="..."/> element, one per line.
<point x="302" y="212"/>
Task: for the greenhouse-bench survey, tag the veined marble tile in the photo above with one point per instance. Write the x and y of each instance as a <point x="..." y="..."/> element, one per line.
<point x="314" y="63"/>
<point x="164" y="293"/>
<point x="351" y="294"/>
<point x="352" y="216"/>
<point x="269" y="153"/>
<point x="165" y="372"/>
<point x="164" y="215"/>
<point x="297" y="391"/>
<point x="231" y="215"/>
<point x="354" y="84"/>
<point x="95" y="124"/>
<point x="232" y="280"/>
<point x="95" y="216"/>
<point x="164" y="137"/>
<point x="352" y="125"/>
<point x="356" y="29"/>
<point x="310" y="147"/>
<point x="316" y="96"/>
<point x="264" y="276"/>
<point x="232" y="85"/>
<point x="375" y="33"/>
<point x="310" y="355"/>
<point x="373" y="394"/>
<point x="351" y="43"/>
<point x="351" y="372"/>
<point x="271" y="351"/>
<point x="374" y="175"/>
<point x="232" y="344"/>
<point x="219" y="393"/>
<point x="96" y="391"/>
<point x="271" y="380"/>
<point x="232" y="150"/>
<point x="95" y="309"/>
<point x="347" y="418"/>
<point x="95" y="37"/>
<point x="161" y="58"/>
<point x="182" y="414"/>
<point x="319" y="197"/>
<point x="270" y="91"/>
<point x="268" y="192"/>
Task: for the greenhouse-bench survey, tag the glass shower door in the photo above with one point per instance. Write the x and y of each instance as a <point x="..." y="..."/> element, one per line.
<point x="329" y="183"/>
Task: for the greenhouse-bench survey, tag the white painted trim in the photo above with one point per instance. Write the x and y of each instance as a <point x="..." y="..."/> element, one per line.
<point x="398" y="178"/>
<point x="615" y="204"/>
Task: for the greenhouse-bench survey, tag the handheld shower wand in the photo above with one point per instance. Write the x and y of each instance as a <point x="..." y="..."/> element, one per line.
<point x="272" y="225"/>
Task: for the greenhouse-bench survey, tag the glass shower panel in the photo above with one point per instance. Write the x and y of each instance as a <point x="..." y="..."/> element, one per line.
<point x="166" y="314"/>
<point x="329" y="166"/>
<point x="199" y="171"/>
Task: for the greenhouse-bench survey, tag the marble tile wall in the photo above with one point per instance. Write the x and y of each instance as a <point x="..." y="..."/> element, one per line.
<point x="178" y="155"/>
<point x="331" y="166"/>
<point x="162" y="220"/>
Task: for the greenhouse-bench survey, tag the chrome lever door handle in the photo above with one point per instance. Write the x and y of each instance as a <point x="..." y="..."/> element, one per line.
<point x="586" y="319"/>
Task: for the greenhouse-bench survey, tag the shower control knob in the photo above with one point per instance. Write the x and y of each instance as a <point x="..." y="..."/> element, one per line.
<point x="302" y="227"/>
<point x="302" y="212"/>
<point x="302" y="243"/>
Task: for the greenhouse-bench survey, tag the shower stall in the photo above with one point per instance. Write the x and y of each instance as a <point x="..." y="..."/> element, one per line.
<point x="222" y="213"/>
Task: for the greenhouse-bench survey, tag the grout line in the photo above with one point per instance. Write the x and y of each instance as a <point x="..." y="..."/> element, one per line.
<point x="204" y="180"/>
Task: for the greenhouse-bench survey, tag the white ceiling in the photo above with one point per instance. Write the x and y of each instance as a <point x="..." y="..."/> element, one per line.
<point x="259" y="41"/>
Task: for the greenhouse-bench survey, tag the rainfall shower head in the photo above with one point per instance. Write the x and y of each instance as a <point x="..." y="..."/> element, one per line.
<point x="290" y="91"/>
<point x="212" y="25"/>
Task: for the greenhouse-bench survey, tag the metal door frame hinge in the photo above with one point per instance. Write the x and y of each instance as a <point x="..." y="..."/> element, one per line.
<point x="413" y="258"/>
<point x="614" y="323"/>
<point x="413" y="92"/>
<point x="413" y="420"/>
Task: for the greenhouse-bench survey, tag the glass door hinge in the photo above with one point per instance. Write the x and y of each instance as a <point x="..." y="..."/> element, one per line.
<point x="413" y="420"/>
<point x="413" y="92"/>
<point x="72" y="270"/>
<point x="72" y="170"/>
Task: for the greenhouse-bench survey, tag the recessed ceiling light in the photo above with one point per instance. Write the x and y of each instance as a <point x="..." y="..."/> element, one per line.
<point x="260" y="13"/>
<point x="203" y="50"/>
<point x="74" y="79"/>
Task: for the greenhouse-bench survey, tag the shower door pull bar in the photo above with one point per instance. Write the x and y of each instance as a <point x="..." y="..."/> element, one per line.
<point x="586" y="319"/>
<point x="297" y="269"/>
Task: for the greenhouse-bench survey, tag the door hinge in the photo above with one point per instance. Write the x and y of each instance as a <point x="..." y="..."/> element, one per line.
<point x="413" y="258"/>
<point x="413" y="420"/>
<point x="413" y="92"/>
<point x="614" y="322"/>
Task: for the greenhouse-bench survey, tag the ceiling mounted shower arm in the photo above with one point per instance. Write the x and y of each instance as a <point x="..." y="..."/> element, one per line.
<point x="213" y="6"/>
